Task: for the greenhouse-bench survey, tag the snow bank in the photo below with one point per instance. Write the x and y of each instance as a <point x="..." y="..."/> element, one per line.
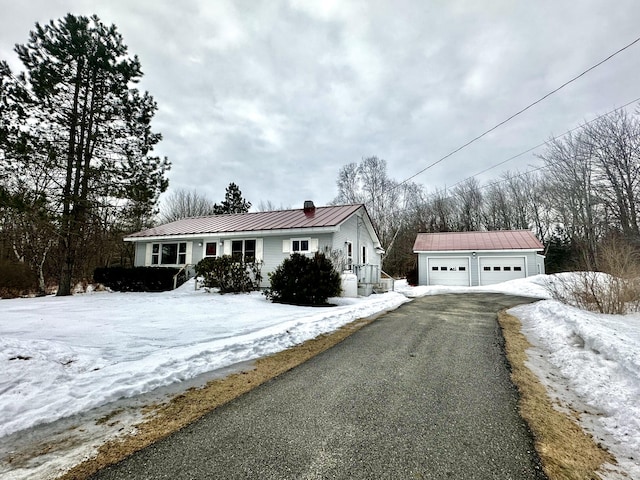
<point x="65" y="355"/>
<point x="598" y="358"/>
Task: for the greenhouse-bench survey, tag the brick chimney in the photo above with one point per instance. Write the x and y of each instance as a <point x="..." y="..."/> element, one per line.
<point x="309" y="207"/>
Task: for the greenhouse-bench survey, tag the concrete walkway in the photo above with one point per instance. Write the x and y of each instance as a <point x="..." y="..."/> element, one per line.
<point x="421" y="393"/>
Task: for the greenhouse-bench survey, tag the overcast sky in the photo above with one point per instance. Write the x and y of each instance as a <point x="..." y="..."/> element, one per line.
<point x="277" y="96"/>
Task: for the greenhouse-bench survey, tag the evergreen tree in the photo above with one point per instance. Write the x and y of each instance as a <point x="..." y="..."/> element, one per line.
<point x="233" y="202"/>
<point x="83" y="127"/>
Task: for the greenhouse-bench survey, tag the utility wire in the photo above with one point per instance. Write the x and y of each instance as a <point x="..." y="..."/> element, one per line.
<point x="519" y="112"/>
<point x="552" y="139"/>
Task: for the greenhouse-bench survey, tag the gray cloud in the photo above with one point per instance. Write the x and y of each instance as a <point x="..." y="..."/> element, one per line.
<point x="278" y="95"/>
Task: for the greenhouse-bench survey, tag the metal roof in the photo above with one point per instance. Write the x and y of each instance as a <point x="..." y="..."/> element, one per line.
<point x="252" y="222"/>
<point x="495" y="240"/>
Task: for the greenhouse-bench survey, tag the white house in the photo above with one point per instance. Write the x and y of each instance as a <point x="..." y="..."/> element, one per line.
<point x="268" y="237"/>
<point x="477" y="258"/>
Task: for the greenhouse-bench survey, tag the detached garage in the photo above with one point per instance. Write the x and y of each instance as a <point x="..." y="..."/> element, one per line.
<point x="477" y="258"/>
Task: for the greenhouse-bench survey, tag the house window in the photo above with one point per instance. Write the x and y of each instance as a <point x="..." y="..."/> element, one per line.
<point x="211" y="249"/>
<point x="496" y="269"/>
<point x="444" y="269"/>
<point x="155" y="254"/>
<point x="486" y="269"/>
<point x="182" y="253"/>
<point x="349" y="246"/>
<point x="517" y="269"/>
<point x="462" y="269"/>
<point x="363" y="258"/>
<point x="169" y="253"/>
<point x="243" y="250"/>
<point x="435" y="269"/>
<point x="300" y="245"/>
<point x="507" y="269"/>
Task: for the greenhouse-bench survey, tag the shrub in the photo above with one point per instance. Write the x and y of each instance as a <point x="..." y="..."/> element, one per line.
<point x="16" y="279"/>
<point x="138" y="279"/>
<point x="302" y="280"/>
<point x="412" y="277"/>
<point x="614" y="290"/>
<point x="229" y="275"/>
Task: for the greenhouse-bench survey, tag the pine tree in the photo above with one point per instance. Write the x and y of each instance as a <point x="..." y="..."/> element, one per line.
<point x="233" y="202"/>
<point x="84" y="127"/>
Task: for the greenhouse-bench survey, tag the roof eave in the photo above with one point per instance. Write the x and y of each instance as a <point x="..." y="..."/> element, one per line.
<point x="242" y="233"/>
<point x="505" y="250"/>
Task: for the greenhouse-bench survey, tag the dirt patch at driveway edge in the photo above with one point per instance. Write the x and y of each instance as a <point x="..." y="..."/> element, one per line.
<point x="194" y="403"/>
<point x="566" y="451"/>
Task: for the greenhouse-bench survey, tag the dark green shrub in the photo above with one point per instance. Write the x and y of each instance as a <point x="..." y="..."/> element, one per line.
<point x="229" y="275"/>
<point x="302" y="280"/>
<point x="412" y="277"/>
<point x="138" y="279"/>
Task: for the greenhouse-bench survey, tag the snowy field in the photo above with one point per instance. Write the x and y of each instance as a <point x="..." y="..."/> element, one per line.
<point x="63" y="356"/>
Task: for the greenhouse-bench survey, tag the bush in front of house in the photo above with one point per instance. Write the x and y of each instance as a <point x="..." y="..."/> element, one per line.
<point x="230" y="275"/>
<point x="302" y="280"/>
<point x="138" y="279"/>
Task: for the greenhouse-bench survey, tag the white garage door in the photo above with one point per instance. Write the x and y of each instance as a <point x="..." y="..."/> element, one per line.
<point x="448" y="271"/>
<point x="501" y="269"/>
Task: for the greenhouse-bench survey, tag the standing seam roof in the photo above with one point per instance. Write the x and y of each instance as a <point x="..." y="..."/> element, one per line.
<point x="254" y="221"/>
<point x="494" y="240"/>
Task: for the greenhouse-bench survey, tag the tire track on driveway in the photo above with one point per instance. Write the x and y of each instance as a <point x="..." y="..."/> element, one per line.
<point x="421" y="393"/>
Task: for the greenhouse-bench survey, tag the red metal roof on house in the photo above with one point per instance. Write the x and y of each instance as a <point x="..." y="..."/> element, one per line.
<point x="496" y="240"/>
<point x="251" y="222"/>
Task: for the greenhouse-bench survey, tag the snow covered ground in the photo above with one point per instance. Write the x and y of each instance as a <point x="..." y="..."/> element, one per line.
<point x="64" y="356"/>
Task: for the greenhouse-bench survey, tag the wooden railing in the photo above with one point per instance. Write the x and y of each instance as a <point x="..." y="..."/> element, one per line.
<point x="175" y="277"/>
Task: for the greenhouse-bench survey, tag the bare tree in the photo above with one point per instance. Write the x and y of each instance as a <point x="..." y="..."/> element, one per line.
<point x="614" y="141"/>
<point x="570" y="179"/>
<point x="185" y="203"/>
<point x="496" y="208"/>
<point x="269" y="206"/>
<point x="468" y="202"/>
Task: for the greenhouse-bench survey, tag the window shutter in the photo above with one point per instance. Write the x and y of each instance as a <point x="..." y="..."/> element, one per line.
<point x="313" y="245"/>
<point x="286" y="246"/>
<point x="147" y="254"/>
<point x="259" y="249"/>
<point x="227" y="247"/>
<point x="189" y="253"/>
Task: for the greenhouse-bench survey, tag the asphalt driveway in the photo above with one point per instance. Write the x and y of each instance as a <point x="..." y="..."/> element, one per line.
<point x="421" y="393"/>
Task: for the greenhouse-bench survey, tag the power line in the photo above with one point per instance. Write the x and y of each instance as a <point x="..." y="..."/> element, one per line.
<point x="519" y="112"/>
<point x="552" y="139"/>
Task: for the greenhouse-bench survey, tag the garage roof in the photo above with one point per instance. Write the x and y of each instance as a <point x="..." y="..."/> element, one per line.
<point x="496" y="240"/>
